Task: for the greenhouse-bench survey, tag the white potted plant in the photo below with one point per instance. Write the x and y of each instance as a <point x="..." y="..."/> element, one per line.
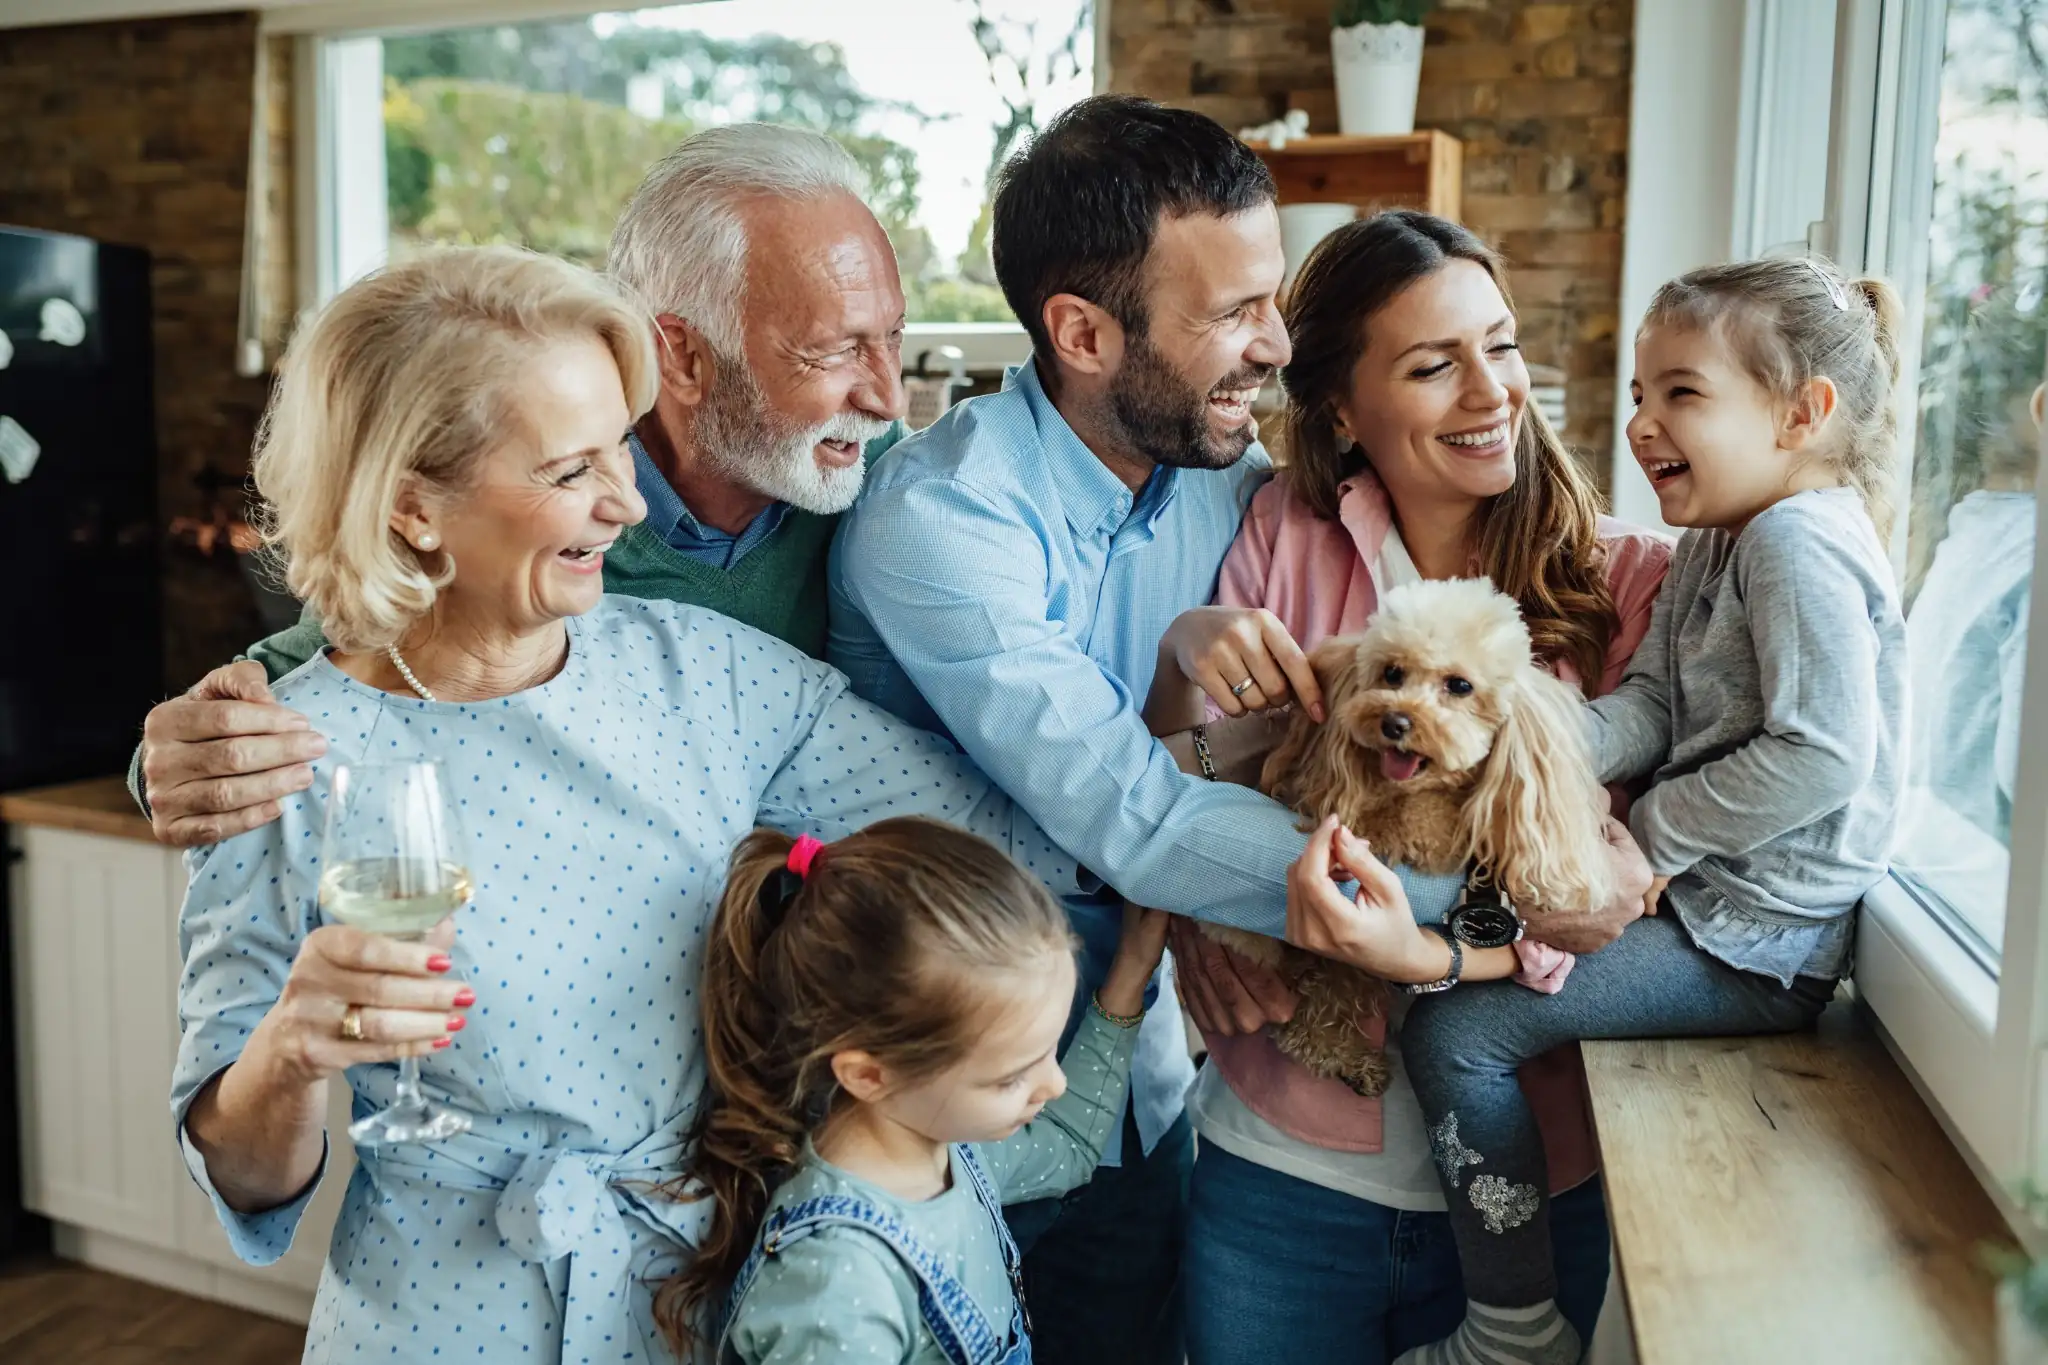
<point x="1376" y="50"/>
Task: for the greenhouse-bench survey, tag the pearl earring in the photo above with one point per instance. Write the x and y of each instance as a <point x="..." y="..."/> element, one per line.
<point x="429" y="541"/>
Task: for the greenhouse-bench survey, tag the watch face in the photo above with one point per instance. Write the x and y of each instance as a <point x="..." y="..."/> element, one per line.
<point x="1485" y="926"/>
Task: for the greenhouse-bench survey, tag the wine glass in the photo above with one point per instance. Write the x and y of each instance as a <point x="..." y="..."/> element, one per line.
<point x="389" y="866"/>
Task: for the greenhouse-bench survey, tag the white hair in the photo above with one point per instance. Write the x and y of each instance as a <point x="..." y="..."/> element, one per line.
<point x="680" y="245"/>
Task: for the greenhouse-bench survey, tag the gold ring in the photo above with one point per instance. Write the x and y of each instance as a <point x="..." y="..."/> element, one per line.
<point x="352" y="1023"/>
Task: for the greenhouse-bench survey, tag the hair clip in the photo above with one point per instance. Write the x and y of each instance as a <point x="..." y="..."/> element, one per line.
<point x="802" y="854"/>
<point x="1836" y="294"/>
<point x="781" y="886"/>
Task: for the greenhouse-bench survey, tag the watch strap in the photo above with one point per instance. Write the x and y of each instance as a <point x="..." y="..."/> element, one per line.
<point x="1450" y="978"/>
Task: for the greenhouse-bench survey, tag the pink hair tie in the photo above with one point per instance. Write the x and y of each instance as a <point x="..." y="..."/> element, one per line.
<point x="802" y="854"/>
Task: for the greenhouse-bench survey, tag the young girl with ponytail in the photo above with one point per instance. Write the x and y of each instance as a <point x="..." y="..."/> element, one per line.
<point x="881" y="1016"/>
<point x="1765" y="705"/>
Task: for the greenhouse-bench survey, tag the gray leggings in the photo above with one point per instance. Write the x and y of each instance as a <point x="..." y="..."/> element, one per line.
<point x="1463" y="1047"/>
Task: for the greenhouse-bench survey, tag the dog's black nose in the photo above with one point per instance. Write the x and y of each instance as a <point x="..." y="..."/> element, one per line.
<point x="1395" y="726"/>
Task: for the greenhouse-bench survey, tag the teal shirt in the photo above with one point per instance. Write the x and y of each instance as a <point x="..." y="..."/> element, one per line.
<point x="841" y="1295"/>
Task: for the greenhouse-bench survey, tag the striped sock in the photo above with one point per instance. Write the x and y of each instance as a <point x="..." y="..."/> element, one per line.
<point x="1536" y="1335"/>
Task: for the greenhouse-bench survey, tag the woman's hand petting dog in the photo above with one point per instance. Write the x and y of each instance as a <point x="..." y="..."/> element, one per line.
<point x="1224" y="993"/>
<point x="1654" y="894"/>
<point x="1594" y="930"/>
<point x="1220" y="649"/>
<point x="1375" y="933"/>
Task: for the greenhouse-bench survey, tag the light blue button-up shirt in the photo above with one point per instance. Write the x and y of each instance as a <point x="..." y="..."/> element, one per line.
<point x="671" y="519"/>
<point x="997" y="583"/>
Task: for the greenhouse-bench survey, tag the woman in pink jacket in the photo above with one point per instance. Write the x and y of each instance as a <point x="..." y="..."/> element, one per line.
<point x="1316" y="1229"/>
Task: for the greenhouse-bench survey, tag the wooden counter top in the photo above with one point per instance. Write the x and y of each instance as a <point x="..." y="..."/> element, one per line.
<point x="1789" y="1199"/>
<point x="99" y="806"/>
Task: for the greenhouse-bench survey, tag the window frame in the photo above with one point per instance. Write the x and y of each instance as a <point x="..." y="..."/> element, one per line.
<point x="989" y="348"/>
<point x="1972" y="1041"/>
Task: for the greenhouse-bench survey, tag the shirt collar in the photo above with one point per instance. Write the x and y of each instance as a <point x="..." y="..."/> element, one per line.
<point x="665" y="509"/>
<point x="670" y="518"/>
<point x="1095" y="500"/>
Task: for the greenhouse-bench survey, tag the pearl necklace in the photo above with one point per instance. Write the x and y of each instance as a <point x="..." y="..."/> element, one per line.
<point x="398" y="662"/>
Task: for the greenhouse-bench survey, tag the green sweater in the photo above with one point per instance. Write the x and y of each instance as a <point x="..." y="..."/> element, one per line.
<point x="778" y="587"/>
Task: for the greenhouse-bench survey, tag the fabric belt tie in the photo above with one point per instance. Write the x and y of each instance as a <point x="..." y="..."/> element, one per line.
<point x="567" y="1210"/>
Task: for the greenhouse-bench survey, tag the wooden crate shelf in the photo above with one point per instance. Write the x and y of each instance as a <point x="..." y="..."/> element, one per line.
<point x="1423" y="170"/>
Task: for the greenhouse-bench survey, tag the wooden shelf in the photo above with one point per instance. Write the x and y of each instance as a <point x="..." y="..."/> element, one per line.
<point x="1423" y="170"/>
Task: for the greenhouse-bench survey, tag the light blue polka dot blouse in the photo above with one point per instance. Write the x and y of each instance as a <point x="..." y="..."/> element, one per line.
<point x="598" y="812"/>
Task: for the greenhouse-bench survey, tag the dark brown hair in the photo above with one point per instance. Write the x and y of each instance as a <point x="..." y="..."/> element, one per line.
<point x="1538" y="541"/>
<point x="1791" y="320"/>
<point x="886" y="946"/>
<point x="1076" y="210"/>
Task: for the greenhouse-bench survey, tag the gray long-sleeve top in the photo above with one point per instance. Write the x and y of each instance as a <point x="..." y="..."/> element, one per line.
<point x="1769" y="699"/>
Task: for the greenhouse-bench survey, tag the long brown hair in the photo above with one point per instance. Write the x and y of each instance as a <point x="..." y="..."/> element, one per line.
<point x="886" y="946"/>
<point x="1793" y="319"/>
<point x="1538" y="541"/>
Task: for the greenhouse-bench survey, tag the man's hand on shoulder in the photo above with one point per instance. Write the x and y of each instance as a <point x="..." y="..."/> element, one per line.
<point x="217" y="761"/>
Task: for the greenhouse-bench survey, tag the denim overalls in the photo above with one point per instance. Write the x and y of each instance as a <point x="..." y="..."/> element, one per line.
<point x="961" y="1329"/>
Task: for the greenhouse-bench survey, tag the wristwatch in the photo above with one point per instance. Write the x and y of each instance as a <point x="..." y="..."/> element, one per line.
<point x="1484" y="916"/>
<point x="1450" y="978"/>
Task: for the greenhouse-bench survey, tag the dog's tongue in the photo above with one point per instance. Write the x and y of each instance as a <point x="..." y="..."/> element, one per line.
<point x="1397" y="766"/>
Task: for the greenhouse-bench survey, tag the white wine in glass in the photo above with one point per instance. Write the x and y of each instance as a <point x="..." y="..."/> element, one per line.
<point x="389" y="866"/>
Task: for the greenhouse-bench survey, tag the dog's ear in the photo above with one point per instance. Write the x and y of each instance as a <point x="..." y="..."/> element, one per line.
<point x="1307" y="771"/>
<point x="1534" y="818"/>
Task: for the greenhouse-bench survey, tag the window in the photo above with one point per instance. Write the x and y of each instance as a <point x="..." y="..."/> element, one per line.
<point x="1938" y="179"/>
<point x="537" y="132"/>
<point x="1970" y="519"/>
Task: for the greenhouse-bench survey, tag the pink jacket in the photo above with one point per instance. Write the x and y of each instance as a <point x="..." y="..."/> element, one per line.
<point x="1317" y="577"/>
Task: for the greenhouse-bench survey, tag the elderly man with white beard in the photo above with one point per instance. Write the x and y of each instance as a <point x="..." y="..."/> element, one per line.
<point x="779" y="314"/>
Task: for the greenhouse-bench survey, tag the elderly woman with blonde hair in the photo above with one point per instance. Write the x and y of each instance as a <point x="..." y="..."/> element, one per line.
<point x="445" y="460"/>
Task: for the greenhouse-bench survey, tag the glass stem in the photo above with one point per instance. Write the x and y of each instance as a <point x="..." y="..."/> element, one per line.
<point x="408" y="1096"/>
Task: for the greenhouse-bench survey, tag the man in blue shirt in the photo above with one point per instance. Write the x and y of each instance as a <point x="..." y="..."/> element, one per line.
<point x="1009" y="572"/>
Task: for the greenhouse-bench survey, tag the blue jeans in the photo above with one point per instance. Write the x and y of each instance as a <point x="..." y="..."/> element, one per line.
<point x="1102" y="1263"/>
<point x="1464" y="1049"/>
<point x="1282" y="1272"/>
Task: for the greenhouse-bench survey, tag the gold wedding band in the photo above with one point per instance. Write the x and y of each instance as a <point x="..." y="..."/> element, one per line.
<point x="352" y="1023"/>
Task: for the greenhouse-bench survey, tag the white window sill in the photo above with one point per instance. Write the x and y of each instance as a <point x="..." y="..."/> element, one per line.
<point x="1937" y="1009"/>
<point x="1897" y="931"/>
<point x="986" y="347"/>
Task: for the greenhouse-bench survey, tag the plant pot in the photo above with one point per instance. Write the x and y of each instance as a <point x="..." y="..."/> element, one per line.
<point x="2019" y="1342"/>
<point x="1378" y="67"/>
<point x="1301" y="227"/>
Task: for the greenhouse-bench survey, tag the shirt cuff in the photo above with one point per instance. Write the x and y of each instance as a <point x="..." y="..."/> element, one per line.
<point x="257" y="1239"/>
<point x="1664" y="861"/>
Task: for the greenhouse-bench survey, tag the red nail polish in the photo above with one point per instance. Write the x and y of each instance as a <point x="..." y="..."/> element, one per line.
<point x="440" y="962"/>
<point x="440" y="1043"/>
<point x="455" y="1023"/>
<point x="464" y="998"/>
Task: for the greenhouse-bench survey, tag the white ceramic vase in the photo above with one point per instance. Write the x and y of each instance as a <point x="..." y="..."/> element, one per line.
<point x="1301" y="227"/>
<point x="1378" y="68"/>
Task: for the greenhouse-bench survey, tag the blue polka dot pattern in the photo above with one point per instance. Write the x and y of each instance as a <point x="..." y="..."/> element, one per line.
<point x="598" y="812"/>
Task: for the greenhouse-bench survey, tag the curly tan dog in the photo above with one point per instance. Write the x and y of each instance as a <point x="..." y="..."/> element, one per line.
<point x="1446" y="745"/>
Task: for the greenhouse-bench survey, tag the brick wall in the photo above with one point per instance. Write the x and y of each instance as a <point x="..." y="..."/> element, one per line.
<point x="1538" y="93"/>
<point x="139" y="133"/>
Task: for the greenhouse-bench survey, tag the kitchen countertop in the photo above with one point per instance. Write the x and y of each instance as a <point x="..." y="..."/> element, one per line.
<point x="98" y="806"/>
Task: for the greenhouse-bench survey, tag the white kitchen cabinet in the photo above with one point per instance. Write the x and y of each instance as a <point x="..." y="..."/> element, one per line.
<point x="94" y="932"/>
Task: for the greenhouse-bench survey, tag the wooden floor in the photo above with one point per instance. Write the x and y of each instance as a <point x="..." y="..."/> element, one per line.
<point x="56" y="1313"/>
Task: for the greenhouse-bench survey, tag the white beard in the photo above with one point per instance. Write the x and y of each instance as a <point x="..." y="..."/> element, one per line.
<point x="746" y="441"/>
